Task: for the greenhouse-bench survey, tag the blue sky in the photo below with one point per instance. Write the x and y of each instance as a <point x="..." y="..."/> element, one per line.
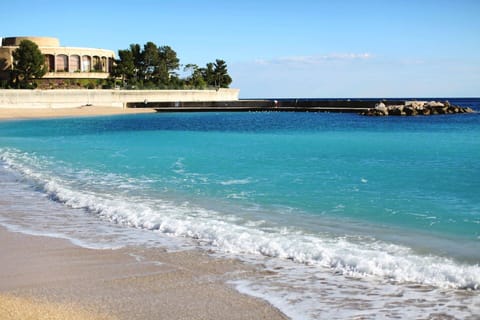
<point x="302" y="48"/>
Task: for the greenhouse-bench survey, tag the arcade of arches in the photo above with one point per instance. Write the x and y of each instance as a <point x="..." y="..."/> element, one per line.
<point x="77" y="63"/>
<point x="61" y="62"/>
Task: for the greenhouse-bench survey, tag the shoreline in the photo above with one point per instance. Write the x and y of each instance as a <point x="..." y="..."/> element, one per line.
<point x="42" y="273"/>
<point x="46" y="275"/>
<point x="84" y="111"/>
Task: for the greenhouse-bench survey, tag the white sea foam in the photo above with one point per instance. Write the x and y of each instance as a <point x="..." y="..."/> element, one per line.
<point x="179" y="167"/>
<point x="364" y="259"/>
<point x="304" y="293"/>
<point x="236" y="182"/>
<point x="58" y="235"/>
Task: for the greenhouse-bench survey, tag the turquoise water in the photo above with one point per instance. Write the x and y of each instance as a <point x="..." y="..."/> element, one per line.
<point x="393" y="198"/>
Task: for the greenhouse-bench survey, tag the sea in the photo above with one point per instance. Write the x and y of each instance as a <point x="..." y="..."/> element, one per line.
<point x="351" y="217"/>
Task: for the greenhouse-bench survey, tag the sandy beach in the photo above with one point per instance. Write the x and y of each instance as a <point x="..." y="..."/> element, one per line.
<point x="48" y="278"/>
<point x="23" y="113"/>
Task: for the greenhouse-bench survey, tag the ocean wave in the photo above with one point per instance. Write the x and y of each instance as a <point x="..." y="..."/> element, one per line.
<point x="363" y="259"/>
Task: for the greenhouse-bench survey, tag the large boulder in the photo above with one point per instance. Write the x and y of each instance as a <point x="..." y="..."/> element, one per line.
<point x="381" y="109"/>
<point x="394" y="107"/>
<point x="425" y="112"/>
<point x="434" y="104"/>
<point x="410" y="111"/>
<point x="396" y="110"/>
<point x="417" y="105"/>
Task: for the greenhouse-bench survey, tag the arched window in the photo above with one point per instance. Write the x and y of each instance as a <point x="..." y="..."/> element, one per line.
<point x="97" y="65"/>
<point x="110" y="64"/>
<point x="86" y="63"/>
<point x="104" y="64"/>
<point x="50" y="62"/>
<point x="74" y="63"/>
<point x="61" y="63"/>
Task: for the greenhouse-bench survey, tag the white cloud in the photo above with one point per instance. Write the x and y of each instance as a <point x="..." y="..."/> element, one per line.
<point x="315" y="59"/>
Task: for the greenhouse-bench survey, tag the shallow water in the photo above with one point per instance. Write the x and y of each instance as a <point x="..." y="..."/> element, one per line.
<point x="380" y="212"/>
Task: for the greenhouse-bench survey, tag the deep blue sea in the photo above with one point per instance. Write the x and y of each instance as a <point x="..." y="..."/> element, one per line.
<point x="382" y="210"/>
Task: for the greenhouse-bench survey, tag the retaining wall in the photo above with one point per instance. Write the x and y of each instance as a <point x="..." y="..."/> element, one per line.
<point x="12" y="98"/>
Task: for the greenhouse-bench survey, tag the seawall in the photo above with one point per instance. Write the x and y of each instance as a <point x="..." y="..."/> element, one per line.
<point x="12" y="98"/>
<point x="290" y="105"/>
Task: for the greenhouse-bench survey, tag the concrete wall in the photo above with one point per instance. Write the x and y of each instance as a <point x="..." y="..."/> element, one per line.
<point x="12" y="98"/>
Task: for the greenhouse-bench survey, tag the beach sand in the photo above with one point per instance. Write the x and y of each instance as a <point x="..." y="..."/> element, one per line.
<point x="49" y="278"/>
<point x="34" y="113"/>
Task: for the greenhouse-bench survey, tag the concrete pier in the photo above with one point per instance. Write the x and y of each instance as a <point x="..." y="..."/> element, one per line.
<point x="292" y="105"/>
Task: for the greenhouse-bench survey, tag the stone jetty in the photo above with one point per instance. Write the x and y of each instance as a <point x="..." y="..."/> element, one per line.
<point x="414" y="108"/>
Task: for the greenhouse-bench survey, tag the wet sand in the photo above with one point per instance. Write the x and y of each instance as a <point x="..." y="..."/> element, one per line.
<point x="41" y="275"/>
<point x="34" y="113"/>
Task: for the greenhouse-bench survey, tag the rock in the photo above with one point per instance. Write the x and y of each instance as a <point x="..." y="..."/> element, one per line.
<point x="410" y="111"/>
<point x="418" y="105"/>
<point x="395" y="107"/>
<point x="434" y="104"/>
<point x="396" y="111"/>
<point x="426" y="112"/>
<point x="381" y="109"/>
<point x="413" y="108"/>
<point x="441" y="110"/>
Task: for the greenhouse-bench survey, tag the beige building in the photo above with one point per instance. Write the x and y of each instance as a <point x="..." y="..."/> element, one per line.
<point x="61" y="62"/>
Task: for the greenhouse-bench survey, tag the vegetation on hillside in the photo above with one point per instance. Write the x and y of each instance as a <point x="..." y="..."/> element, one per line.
<point x="147" y="67"/>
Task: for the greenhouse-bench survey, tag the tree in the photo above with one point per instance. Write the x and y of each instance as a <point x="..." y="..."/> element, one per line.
<point x="156" y="67"/>
<point x="208" y="74"/>
<point x="169" y="57"/>
<point x="216" y="74"/>
<point x="28" y="64"/>
<point x="168" y="64"/>
<point x="195" y="79"/>
<point x="125" y="66"/>
<point x="137" y="60"/>
<point x="150" y="60"/>
<point x="222" y="78"/>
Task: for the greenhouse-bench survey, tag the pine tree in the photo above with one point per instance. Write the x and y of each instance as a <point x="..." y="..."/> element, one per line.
<point x="28" y="64"/>
<point x="221" y="76"/>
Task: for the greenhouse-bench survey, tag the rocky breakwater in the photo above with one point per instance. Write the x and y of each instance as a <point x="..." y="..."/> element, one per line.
<point x="414" y="108"/>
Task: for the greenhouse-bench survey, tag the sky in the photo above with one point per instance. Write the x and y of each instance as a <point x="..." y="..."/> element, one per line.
<point x="284" y="49"/>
